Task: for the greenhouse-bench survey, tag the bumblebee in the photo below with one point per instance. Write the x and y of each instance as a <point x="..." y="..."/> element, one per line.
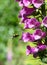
<point x="15" y="35"/>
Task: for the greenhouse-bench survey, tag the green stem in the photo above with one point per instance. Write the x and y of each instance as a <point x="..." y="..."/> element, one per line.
<point x="43" y="10"/>
<point x="46" y="38"/>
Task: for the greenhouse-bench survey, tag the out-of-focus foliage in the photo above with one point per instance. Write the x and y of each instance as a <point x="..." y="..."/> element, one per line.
<point x="8" y="19"/>
<point x="8" y="12"/>
<point x="9" y="24"/>
<point x="2" y="52"/>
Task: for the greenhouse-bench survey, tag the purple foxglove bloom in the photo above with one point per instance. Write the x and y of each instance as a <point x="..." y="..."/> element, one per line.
<point x="38" y="34"/>
<point x="32" y="50"/>
<point x="26" y="37"/>
<point x="31" y="23"/>
<point x="24" y="2"/>
<point x="21" y="3"/>
<point x="42" y="47"/>
<point x="44" y="22"/>
<point x="37" y="3"/>
<point x="26" y="11"/>
<point x="32" y="39"/>
<point x="43" y="34"/>
<point x="28" y="50"/>
<point x="23" y="19"/>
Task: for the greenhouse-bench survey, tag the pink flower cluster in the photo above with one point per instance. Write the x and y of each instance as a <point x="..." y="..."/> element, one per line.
<point x="37" y="35"/>
<point x="36" y="3"/>
<point x="35" y="50"/>
<point x="32" y="23"/>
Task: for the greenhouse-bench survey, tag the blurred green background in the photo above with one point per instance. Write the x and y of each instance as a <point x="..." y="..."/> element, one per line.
<point x="9" y="26"/>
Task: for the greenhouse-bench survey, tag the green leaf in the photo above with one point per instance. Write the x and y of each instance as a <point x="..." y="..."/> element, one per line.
<point x="44" y="60"/>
